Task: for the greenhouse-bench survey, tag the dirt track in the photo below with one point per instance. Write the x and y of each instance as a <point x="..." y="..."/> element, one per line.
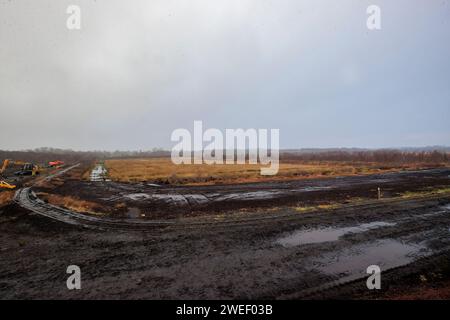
<point x="264" y="258"/>
<point x="166" y="202"/>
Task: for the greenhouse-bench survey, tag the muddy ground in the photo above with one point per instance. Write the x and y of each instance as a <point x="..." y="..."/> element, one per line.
<point x="409" y="240"/>
<point x="272" y="250"/>
<point x="149" y="201"/>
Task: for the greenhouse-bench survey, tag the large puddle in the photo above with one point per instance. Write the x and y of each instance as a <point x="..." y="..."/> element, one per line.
<point x="133" y="213"/>
<point x="386" y="254"/>
<point x="171" y="198"/>
<point x="328" y="234"/>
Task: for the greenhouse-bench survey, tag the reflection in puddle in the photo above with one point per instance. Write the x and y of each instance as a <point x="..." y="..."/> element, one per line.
<point x="153" y="185"/>
<point x="99" y="173"/>
<point x="133" y="213"/>
<point x="307" y="189"/>
<point x="328" y="234"/>
<point x="383" y="253"/>
<point x="253" y="195"/>
<point x="137" y="196"/>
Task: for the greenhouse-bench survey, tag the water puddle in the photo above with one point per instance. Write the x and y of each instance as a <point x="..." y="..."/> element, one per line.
<point x="386" y="254"/>
<point x="245" y="196"/>
<point x="133" y="213"/>
<point x="138" y="196"/>
<point x="308" y="189"/>
<point x="99" y="173"/>
<point x="153" y="185"/>
<point x="328" y="234"/>
<point x="170" y="198"/>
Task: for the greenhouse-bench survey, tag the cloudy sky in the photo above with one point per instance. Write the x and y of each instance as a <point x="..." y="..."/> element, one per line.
<point x="137" y="70"/>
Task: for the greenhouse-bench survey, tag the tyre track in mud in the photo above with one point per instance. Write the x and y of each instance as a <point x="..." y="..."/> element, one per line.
<point x="352" y="279"/>
<point x="396" y="267"/>
<point x="164" y="202"/>
<point x="26" y="198"/>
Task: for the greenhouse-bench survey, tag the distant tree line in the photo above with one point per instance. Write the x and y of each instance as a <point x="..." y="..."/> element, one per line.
<point x="43" y="155"/>
<point x="380" y="156"/>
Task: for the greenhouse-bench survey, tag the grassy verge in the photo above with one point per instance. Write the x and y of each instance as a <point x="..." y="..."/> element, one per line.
<point x="444" y="191"/>
<point x="430" y="192"/>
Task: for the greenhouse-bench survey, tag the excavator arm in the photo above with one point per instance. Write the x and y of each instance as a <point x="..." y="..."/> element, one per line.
<point x="8" y="162"/>
<point x="6" y="185"/>
<point x="5" y="165"/>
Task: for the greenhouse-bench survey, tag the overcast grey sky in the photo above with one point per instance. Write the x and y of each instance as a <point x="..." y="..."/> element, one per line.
<point x="139" y="69"/>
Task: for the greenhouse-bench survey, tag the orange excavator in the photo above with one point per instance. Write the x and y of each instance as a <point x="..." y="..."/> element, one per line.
<point x="56" y="163"/>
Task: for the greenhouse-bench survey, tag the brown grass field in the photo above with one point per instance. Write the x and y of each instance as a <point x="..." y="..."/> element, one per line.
<point x="72" y="203"/>
<point x="6" y="197"/>
<point x="162" y="170"/>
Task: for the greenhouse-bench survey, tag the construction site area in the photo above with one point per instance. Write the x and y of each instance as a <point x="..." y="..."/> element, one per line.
<point x="145" y="228"/>
<point x="248" y="151"/>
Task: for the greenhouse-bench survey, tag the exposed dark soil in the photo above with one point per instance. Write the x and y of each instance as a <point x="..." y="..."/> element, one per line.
<point x="238" y="261"/>
<point x="173" y="202"/>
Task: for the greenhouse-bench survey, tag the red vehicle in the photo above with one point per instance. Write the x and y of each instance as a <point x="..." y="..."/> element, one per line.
<point x="55" y="163"/>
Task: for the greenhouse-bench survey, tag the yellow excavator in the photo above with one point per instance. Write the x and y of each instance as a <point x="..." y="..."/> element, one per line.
<point x="27" y="169"/>
<point x="4" y="184"/>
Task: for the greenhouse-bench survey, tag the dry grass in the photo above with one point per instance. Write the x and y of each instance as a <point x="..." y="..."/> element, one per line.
<point x="444" y="191"/>
<point x="72" y="203"/>
<point x="162" y="170"/>
<point x="430" y="192"/>
<point x="6" y="198"/>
